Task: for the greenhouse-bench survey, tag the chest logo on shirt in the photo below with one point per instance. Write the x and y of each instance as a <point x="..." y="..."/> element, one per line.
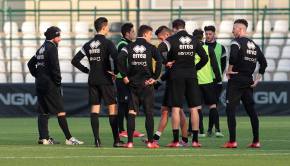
<point x="139" y="57"/>
<point x="40" y="57"/>
<point x="251" y="48"/>
<point x="251" y="45"/>
<point x="185" y="43"/>
<point x="41" y="50"/>
<point x="94" y="47"/>
<point x="139" y="49"/>
<point x="185" y="40"/>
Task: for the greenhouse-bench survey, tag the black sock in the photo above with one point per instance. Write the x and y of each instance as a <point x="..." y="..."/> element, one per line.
<point x="63" y="125"/>
<point x="175" y="135"/>
<point x="217" y="121"/>
<point x="130" y="126"/>
<point x="149" y="124"/>
<point x="184" y="139"/>
<point x="210" y="120"/>
<point x="121" y="113"/>
<point x="114" y="126"/>
<point x="201" y="128"/>
<point x="95" y="125"/>
<point x="231" y="119"/>
<point x="194" y="135"/>
<point x="43" y="126"/>
<point x="189" y="124"/>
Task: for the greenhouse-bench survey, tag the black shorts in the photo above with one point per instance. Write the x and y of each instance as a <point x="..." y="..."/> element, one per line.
<point x="99" y="92"/>
<point x="122" y="91"/>
<point x="187" y="87"/>
<point x="167" y="99"/>
<point x="50" y="102"/>
<point x="143" y="96"/>
<point x="208" y="93"/>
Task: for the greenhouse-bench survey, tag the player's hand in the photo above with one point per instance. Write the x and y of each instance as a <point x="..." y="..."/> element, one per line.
<point x="114" y="76"/>
<point x="126" y="80"/>
<point x="255" y="84"/>
<point x="229" y="73"/>
<point x="257" y="80"/>
<point x="170" y="64"/>
<point x="157" y="85"/>
<point x="150" y="81"/>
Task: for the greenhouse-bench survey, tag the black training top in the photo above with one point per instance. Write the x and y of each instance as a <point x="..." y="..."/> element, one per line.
<point x="244" y="55"/>
<point x="135" y="62"/>
<point x="181" y="48"/>
<point x="44" y="65"/>
<point x="98" y="51"/>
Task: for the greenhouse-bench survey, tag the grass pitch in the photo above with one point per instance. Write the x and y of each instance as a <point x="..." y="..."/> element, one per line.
<point x="18" y="146"/>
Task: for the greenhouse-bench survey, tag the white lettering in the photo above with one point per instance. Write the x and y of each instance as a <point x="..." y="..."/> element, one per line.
<point x="18" y="99"/>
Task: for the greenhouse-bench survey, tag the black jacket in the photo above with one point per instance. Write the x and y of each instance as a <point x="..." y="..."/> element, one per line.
<point x="123" y="43"/>
<point x="98" y="51"/>
<point x="44" y="66"/>
<point x="135" y="62"/>
<point x="244" y="56"/>
<point x="181" y="48"/>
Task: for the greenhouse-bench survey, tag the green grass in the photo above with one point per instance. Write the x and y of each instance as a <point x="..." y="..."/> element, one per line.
<point x="18" y="146"/>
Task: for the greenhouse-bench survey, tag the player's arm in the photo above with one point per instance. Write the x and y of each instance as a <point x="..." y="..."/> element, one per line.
<point x="76" y="61"/>
<point x="223" y="59"/>
<point x="234" y="57"/>
<point x="263" y="65"/>
<point x="202" y="54"/>
<point x="122" y="64"/>
<point x="114" y="55"/>
<point x="32" y="66"/>
<point x="54" y="65"/>
<point x="214" y="64"/>
<point x="163" y="49"/>
<point x="157" y="57"/>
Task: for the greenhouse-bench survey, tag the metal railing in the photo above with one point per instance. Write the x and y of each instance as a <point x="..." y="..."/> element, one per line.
<point x="9" y="14"/>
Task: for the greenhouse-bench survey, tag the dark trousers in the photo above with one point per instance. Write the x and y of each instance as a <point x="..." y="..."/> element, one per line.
<point x="235" y="93"/>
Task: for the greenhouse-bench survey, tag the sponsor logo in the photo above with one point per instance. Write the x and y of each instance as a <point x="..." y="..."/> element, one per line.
<point x="41" y="50"/>
<point x="251" y="45"/>
<point x="251" y="48"/>
<point x="135" y="63"/>
<point x="95" y="44"/>
<point x="185" y="43"/>
<point x="94" y="47"/>
<point x="95" y="58"/>
<point x="263" y="97"/>
<point x="17" y="99"/>
<point x="185" y="40"/>
<point x="139" y="49"/>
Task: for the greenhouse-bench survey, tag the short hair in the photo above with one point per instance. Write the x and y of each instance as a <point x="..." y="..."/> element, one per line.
<point x="241" y="21"/>
<point x="126" y="28"/>
<point x="162" y="28"/>
<point x="100" y="23"/>
<point x="144" y="29"/>
<point x="178" y="24"/>
<point x="209" y="28"/>
<point x="198" y="33"/>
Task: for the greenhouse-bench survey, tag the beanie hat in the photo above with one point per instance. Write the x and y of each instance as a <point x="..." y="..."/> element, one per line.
<point x="52" y="32"/>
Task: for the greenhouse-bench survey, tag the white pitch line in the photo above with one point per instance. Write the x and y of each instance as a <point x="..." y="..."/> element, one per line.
<point x="51" y="147"/>
<point x="144" y="156"/>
